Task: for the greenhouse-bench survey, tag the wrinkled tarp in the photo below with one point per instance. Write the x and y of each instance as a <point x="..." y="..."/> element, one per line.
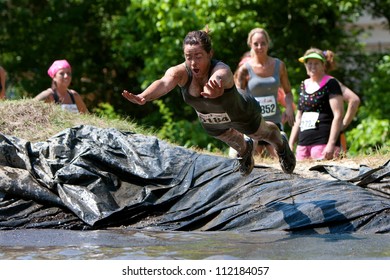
<point x="87" y="178"/>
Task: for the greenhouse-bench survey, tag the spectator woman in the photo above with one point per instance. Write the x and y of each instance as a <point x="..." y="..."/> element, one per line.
<point x="61" y="74"/>
<point x="319" y="116"/>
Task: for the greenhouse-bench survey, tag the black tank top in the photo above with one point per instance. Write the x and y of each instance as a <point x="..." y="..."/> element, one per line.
<point x="243" y="110"/>
<point x="57" y="99"/>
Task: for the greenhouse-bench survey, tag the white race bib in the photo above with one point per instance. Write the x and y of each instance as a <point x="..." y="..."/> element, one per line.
<point x="214" y="118"/>
<point x="309" y="120"/>
<point x="70" y="107"/>
<point x="267" y="104"/>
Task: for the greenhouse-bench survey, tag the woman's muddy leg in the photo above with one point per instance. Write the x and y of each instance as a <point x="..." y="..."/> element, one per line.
<point x="234" y="139"/>
<point x="269" y="132"/>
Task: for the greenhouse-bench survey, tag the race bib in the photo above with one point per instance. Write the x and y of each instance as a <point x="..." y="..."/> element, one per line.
<point x="214" y="118"/>
<point x="268" y="105"/>
<point x="70" y="107"/>
<point x="309" y="120"/>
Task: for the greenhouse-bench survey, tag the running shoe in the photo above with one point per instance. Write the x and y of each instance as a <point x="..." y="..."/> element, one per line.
<point x="246" y="161"/>
<point x="286" y="158"/>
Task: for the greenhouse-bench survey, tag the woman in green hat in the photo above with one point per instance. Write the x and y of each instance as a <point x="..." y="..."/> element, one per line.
<point x="320" y="111"/>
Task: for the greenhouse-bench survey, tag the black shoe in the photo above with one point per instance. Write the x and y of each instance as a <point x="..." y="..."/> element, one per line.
<point x="246" y="160"/>
<point x="286" y="158"/>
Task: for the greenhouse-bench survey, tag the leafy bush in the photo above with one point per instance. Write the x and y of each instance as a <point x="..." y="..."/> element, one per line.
<point x="104" y="109"/>
<point x="376" y="90"/>
<point x="372" y="132"/>
<point x="371" y="135"/>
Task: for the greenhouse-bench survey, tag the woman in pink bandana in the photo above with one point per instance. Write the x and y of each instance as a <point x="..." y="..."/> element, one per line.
<point x="61" y="73"/>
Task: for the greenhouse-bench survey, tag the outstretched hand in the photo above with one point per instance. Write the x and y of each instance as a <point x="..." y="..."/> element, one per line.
<point x="213" y="88"/>
<point x="133" y="98"/>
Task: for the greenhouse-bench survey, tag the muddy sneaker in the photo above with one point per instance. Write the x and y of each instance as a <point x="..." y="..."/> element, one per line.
<point x="246" y="161"/>
<point x="287" y="158"/>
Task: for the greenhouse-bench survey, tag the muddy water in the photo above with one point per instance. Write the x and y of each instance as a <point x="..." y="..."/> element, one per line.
<point x="122" y="244"/>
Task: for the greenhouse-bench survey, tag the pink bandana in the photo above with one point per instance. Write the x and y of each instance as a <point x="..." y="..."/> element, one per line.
<point x="57" y="65"/>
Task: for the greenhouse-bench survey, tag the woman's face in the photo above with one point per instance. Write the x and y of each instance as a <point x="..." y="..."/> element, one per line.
<point x="259" y="43"/>
<point x="63" y="77"/>
<point x="314" y="67"/>
<point x="197" y="59"/>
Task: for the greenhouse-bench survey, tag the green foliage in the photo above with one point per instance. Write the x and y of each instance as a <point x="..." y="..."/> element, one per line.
<point x="35" y="33"/>
<point x="106" y="110"/>
<point x="372" y="132"/>
<point x="369" y="136"/>
<point x="376" y="91"/>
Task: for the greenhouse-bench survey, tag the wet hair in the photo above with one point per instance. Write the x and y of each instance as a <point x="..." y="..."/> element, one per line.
<point x="199" y="37"/>
<point x="258" y="30"/>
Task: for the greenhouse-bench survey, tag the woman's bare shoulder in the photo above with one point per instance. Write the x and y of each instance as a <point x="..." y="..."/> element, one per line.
<point x="178" y="73"/>
<point x="177" y="70"/>
<point x="44" y="94"/>
<point x="72" y="91"/>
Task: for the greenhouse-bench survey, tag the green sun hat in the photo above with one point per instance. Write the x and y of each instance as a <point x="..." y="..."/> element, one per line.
<point x="311" y="55"/>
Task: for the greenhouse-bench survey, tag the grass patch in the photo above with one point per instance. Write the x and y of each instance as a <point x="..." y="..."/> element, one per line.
<point x="35" y="121"/>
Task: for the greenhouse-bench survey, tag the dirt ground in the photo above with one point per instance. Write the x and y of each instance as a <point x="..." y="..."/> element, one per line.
<point x="303" y="167"/>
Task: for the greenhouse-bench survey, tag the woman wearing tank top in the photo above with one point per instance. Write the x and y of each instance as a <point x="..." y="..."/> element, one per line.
<point x="61" y="73"/>
<point x="265" y="77"/>
<point x="208" y="86"/>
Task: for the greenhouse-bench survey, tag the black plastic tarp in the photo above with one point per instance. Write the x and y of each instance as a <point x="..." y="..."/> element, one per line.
<point x="88" y="178"/>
